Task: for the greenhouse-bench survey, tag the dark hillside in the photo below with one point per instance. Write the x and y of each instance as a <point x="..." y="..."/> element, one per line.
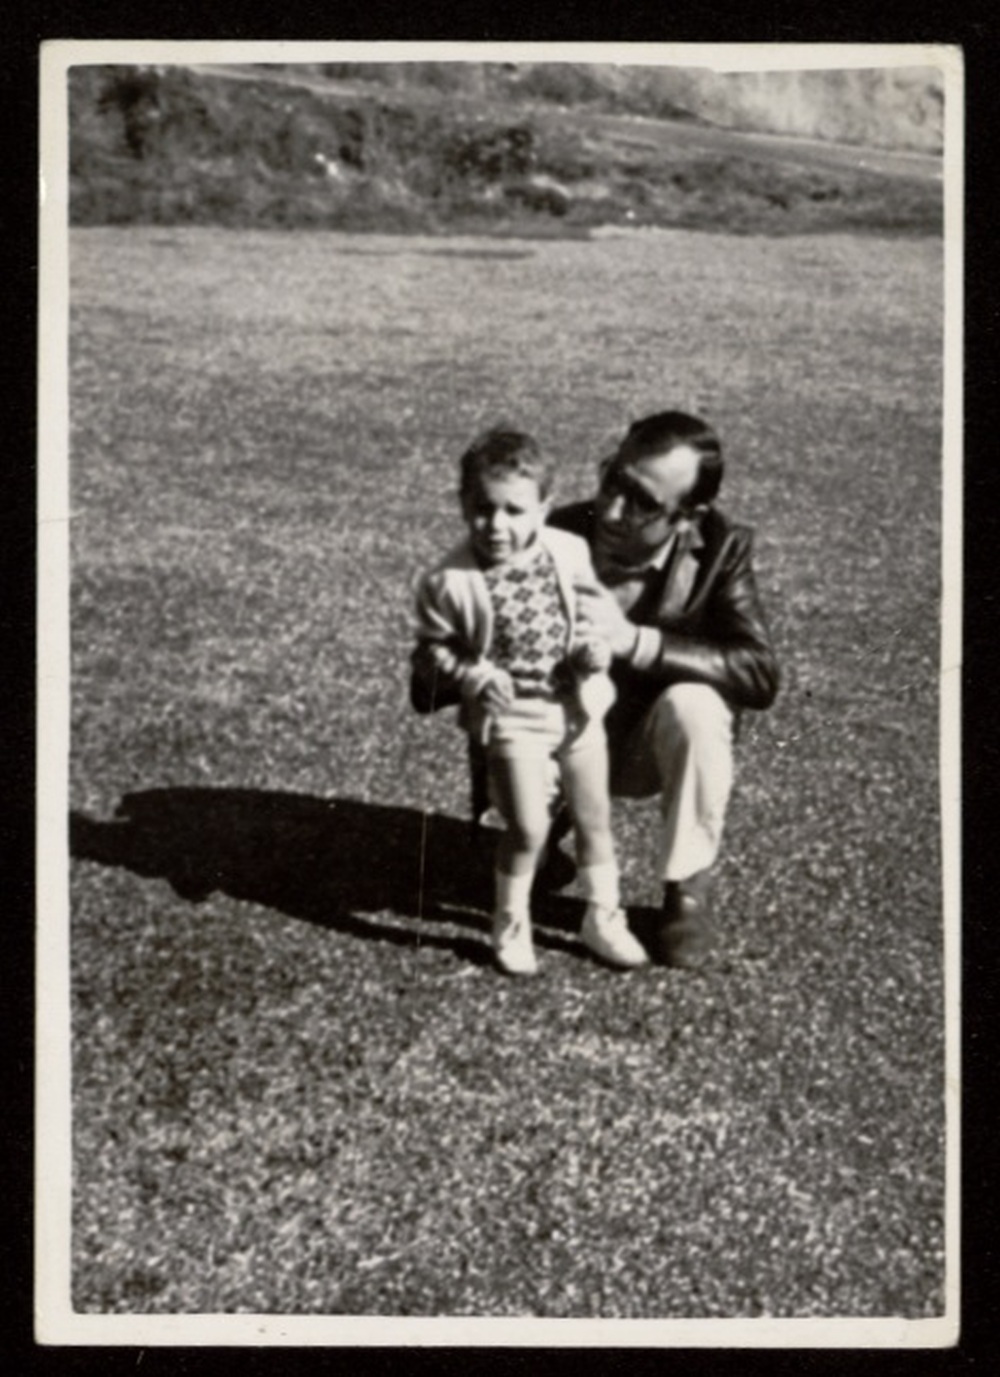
<point x="889" y="107"/>
<point x="258" y="147"/>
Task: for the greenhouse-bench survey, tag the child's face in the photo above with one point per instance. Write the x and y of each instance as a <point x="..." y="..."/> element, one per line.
<point x="504" y="514"/>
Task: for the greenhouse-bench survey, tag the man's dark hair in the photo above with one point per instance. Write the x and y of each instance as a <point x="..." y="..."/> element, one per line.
<point x="501" y="452"/>
<point x="665" y="431"/>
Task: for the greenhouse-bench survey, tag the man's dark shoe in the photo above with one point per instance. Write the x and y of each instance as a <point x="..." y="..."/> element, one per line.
<point x="685" y="936"/>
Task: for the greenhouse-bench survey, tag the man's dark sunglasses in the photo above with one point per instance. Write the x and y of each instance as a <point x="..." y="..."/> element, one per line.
<point x="616" y="482"/>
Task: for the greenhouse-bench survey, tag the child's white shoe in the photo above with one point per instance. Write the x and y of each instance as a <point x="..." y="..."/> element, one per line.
<point x="512" y="944"/>
<point x="605" y="931"/>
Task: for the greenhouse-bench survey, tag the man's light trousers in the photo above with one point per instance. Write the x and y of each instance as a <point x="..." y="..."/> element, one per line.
<point x="682" y="749"/>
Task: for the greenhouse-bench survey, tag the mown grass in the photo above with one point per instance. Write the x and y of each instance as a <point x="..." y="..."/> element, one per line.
<point x="298" y="1084"/>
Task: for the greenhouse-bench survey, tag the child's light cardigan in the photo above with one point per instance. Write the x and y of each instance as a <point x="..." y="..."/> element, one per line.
<point x="455" y="621"/>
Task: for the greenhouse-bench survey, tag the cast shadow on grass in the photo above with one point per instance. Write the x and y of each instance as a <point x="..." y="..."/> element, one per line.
<point x="340" y="863"/>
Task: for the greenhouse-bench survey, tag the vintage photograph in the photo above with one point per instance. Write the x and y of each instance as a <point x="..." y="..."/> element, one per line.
<point x="499" y="721"/>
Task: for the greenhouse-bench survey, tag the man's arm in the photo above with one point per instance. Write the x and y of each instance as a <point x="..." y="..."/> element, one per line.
<point x="730" y="649"/>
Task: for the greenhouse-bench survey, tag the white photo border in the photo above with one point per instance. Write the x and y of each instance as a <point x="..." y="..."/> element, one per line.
<point x="56" y="1323"/>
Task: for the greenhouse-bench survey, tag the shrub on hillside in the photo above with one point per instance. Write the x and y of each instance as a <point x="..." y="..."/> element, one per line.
<point x="490" y="153"/>
<point x="559" y="83"/>
<point x="133" y="94"/>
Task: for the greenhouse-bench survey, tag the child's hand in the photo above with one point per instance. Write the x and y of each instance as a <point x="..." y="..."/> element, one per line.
<point x="498" y="691"/>
<point x="591" y="654"/>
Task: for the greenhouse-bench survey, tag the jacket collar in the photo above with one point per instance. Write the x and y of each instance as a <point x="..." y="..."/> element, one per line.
<point x="682" y="569"/>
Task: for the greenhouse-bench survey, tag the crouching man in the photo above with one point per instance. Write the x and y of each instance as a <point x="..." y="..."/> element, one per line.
<point x="679" y="606"/>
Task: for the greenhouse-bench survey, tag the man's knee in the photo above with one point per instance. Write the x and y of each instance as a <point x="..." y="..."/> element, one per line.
<point x="693" y="712"/>
<point x="687" y="724"/>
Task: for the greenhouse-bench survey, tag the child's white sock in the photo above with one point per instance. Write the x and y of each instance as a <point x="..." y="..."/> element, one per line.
<point x="513" y="892"/>
<point x="600" y="883"/>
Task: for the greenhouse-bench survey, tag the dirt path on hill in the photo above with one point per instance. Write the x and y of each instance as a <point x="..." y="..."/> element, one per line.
<point x="639" y="131"/>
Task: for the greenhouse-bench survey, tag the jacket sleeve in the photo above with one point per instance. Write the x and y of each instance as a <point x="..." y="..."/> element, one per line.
<point x="730" y="646"/>
<point x="443" y="668"/>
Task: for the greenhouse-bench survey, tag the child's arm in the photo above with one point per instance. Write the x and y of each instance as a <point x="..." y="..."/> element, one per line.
<point x="446" y="668"/>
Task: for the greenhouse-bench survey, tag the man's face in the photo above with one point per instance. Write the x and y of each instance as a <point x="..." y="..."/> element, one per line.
<point x="640" y="499"/>
<point x="504" y="515"/>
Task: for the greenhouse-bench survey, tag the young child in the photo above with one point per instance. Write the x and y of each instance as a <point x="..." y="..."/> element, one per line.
<point x="496" y="621"/>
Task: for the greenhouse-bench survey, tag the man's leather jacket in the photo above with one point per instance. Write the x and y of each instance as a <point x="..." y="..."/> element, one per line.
<point x="705" y="621"/>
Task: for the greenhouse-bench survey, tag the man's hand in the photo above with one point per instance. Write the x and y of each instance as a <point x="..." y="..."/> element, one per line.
<point x="498" y="691"/>
<point x="599" y="615"/>
<point x="591" y="654"/>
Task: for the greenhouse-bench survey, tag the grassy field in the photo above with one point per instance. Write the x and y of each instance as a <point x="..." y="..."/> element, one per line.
<point x="299" y="1086"/>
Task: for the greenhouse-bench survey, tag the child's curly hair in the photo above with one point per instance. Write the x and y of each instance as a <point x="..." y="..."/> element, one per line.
<point x="502" y="451"/>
